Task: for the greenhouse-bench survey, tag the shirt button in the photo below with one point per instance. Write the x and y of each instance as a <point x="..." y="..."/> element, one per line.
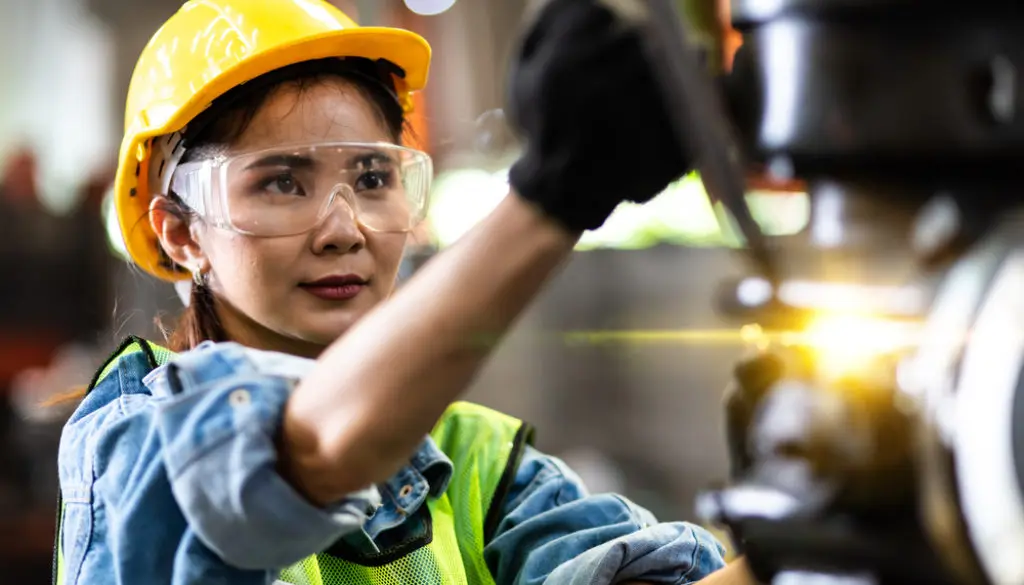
<point x="239" y="398"/>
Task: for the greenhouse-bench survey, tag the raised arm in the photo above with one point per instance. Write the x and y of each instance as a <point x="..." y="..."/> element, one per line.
<point x="596" y="134"/>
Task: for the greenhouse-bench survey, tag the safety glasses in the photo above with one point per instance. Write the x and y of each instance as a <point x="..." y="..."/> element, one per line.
<point x="291" y="190"/>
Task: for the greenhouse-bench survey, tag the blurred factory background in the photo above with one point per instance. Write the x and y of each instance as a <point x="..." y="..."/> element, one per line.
<point x="637" y="413"/>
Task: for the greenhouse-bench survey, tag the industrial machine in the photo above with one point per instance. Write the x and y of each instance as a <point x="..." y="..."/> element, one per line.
<point x="877" y="428"/>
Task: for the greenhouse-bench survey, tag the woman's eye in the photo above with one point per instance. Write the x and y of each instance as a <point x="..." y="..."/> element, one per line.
<point x="283" y="184"/>
<point x="373" y="180"/>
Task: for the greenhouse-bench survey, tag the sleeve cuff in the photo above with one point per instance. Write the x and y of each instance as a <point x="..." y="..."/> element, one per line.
<point x="221" y="458"/>
<point x="669" y="553"/>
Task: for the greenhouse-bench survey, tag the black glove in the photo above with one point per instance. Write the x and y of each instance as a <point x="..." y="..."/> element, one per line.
<point x="596" y="127"/>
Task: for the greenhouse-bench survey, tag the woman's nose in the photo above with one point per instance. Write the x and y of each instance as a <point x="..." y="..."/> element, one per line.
<point x="339" y="230"/>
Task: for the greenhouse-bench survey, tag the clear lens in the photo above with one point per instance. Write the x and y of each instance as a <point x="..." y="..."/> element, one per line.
<point x="290" y="190"/>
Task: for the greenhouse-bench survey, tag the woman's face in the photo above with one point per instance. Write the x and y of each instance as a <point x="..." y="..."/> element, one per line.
<point x="264" y="284"/>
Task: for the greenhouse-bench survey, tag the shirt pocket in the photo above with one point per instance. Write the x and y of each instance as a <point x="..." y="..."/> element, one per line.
<point x="76" y="533"/>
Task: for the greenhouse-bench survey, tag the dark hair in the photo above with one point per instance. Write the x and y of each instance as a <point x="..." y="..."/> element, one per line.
<point x="227" y="119"/>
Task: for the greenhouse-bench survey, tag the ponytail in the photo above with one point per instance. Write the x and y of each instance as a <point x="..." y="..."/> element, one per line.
<point x="198" y="322"/>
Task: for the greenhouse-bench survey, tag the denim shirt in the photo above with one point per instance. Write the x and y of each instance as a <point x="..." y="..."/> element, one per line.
<point x="171" y="478"/>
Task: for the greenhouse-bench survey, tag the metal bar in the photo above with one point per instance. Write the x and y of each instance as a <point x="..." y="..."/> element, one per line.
<point x="701" y="123"/>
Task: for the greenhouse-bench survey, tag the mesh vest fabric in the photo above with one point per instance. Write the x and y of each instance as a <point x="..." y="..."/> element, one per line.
<point x="484" y="446"/>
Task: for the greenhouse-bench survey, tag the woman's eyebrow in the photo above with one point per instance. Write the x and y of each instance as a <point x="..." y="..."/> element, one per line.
<point x="293" y="161"/>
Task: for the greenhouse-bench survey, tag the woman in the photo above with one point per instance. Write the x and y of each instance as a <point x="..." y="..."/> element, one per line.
<point x="318" y="441"/>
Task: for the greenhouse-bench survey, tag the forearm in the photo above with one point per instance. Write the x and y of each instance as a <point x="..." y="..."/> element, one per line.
<point x="377" y="391"/>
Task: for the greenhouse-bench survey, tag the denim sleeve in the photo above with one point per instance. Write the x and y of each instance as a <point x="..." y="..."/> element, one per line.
<point x="219" y="461"/>
<point x="555" y="533"/>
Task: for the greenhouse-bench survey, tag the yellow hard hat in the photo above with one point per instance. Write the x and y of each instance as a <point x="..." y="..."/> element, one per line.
<point x="207" y="48"/>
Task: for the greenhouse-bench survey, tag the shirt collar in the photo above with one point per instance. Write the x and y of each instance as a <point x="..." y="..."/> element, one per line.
<point x="431" y="462"/>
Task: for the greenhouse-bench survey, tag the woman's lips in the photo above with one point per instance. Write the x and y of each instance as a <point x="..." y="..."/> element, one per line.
<point x="342" y="292"/>
<point x="335" y="288"/>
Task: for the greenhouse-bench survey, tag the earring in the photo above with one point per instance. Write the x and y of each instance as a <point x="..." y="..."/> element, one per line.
<point x="199" y="278"/>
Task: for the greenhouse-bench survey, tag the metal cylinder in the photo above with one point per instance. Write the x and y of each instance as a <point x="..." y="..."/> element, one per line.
<point x="884" y="87"/>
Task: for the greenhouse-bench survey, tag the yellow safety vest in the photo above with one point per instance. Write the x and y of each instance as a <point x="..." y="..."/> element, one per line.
<point x="485" y="447"/>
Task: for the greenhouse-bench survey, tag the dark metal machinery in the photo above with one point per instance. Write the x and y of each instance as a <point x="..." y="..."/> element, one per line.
<point x="908" y="115"/>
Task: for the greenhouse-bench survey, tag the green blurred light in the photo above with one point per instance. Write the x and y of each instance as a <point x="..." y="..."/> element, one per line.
<point x="683" y="215"/>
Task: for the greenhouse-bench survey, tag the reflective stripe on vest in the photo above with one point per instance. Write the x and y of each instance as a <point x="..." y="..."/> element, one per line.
<point x="485" y="447"/>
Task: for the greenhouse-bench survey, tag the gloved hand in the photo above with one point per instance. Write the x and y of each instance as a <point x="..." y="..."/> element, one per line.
<point x="595" y="125"/>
